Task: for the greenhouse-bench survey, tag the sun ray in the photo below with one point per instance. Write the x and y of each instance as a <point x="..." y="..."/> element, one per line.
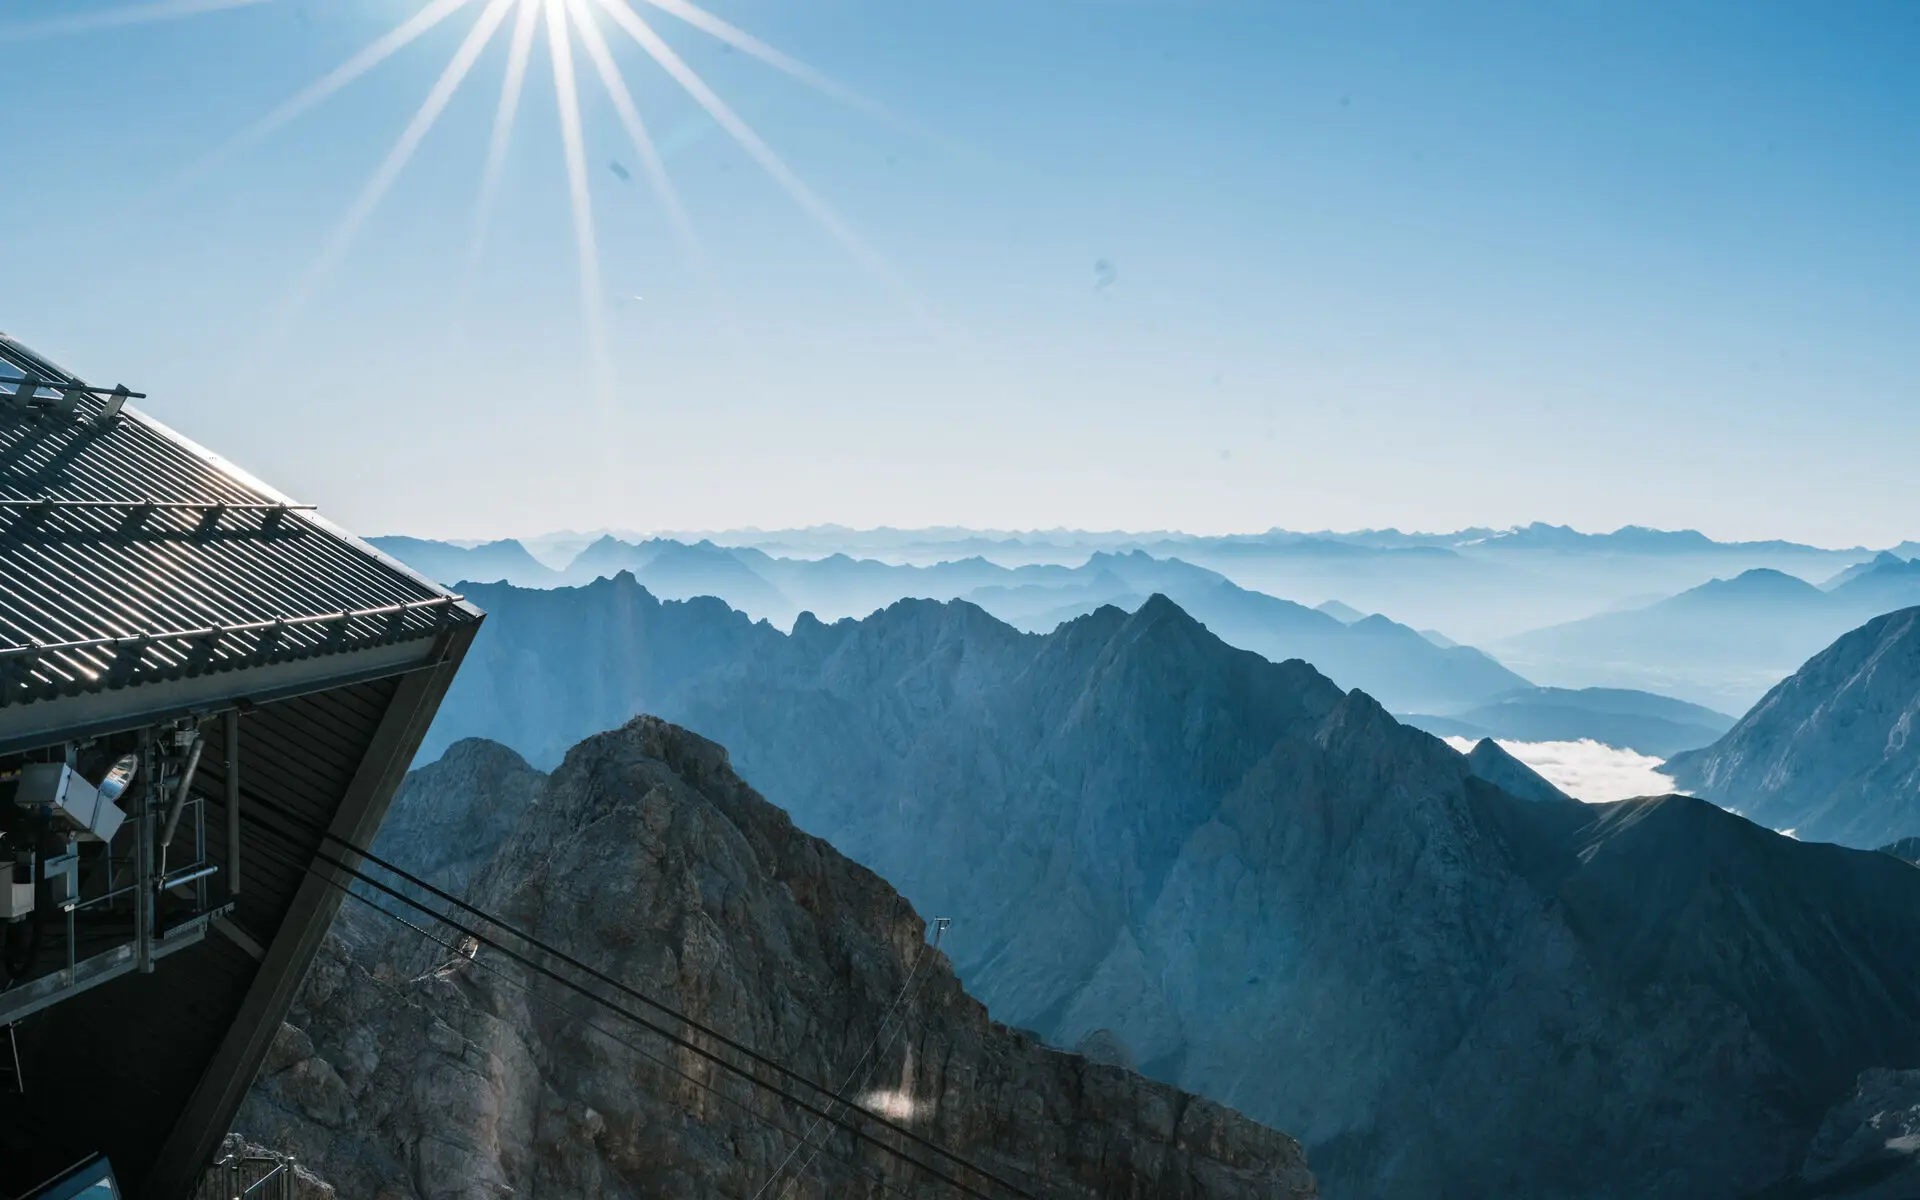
<point x="410" y="138"/>
<point x="504" y="116"/>
<point x="643" y="144"/>
<point x="369" y="57"/>
<point x="752" y="46"/>
<point x="751" y="142"/>
<point x="115" y="18"/>
<point x="657" y="176"/>
<point x="573" y="144"/>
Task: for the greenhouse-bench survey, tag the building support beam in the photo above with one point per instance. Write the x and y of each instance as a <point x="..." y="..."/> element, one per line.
<point x="231" y="726"/>
<point x="197" y="1132"/>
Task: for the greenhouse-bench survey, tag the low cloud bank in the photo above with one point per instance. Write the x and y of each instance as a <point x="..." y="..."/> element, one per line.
<point x="1586" y="769"/>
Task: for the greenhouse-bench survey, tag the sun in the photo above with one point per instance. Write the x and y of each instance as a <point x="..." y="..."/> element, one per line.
<point x="571" y="29"/>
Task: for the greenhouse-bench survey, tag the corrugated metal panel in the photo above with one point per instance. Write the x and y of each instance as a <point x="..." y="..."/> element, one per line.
<point x="97" y="592"/>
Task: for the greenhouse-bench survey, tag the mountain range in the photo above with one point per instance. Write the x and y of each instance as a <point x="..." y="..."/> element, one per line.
<point x="1635" y="609"/>
<point x="1479" y="585"/>
<point x="1722" y="644"/>
<point x="1264" y="889"/>
<point x="553" y="665"/>
<point x="1621" y="717"/>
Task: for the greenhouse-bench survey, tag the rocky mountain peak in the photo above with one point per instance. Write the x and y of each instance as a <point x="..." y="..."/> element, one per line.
<point x="648" y="856"/>
<point x="1489" y="761"/>
<point x="1830" y="751"/>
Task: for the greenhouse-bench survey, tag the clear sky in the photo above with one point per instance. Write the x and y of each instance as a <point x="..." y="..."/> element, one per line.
<point x="1119" y="263"/>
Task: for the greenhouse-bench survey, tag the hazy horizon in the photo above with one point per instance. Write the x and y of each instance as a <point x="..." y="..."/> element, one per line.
<point x="626" y="533"/>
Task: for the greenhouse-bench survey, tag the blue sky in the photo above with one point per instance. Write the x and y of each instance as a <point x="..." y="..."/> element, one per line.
<point x="1367" y="264"/>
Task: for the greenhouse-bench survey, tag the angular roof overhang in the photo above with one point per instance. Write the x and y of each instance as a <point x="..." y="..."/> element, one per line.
<point x="144" y="581"/>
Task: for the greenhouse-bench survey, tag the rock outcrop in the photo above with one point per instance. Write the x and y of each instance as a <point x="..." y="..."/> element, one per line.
<point x="1488" y="761"/>
<point x="1831" y="752"/>
<point x="646" y="856"/>
<point x="1868" y="1147"/>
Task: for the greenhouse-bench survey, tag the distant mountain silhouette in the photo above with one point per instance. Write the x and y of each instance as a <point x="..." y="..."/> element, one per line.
<point x="1882" y="559"/>
<point x="1831" y="752"/>
<point x="1621" y="717"/>
<point x="1722" y="644"/>
<point x="681" y="572"/>
<point x="1887" y="586"/>
<point x="551" y="666"/>
<point x="1346" y="614"/>
<point x="1388" y="660"/>
<point x="607" y="556"/>
<point x="1404" y="668"/>
<point x="1479" y="585"/>
<point x="490" y="562"/>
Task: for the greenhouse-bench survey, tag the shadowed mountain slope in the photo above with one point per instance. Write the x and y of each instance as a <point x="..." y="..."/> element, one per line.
<point x="646" y="856"/>
<point x="1830" y="752"/>
<point x="554" y="665"/>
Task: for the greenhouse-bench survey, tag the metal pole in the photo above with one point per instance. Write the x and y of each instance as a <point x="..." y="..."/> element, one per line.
<point x="233" y="801"/>
<point x="180" y="792"/>
<point x="143" y="895"/>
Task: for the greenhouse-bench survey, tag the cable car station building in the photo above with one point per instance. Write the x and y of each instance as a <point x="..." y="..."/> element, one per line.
<point x="176" y="640"/>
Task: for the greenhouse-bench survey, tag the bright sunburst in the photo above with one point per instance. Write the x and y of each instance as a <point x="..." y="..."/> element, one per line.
<point x="567" y="26"/>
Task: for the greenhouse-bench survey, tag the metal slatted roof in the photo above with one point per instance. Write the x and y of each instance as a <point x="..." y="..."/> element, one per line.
<point x="129" y="555"/>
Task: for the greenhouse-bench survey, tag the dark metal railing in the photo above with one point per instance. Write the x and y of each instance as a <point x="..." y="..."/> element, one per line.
<point x="213" y="633"/>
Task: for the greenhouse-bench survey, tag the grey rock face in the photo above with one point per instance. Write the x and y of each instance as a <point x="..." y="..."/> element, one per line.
<point x="1831" y="753"/>
<point x="1489" y="762"/>
<point x="1906" y="850"/>
<point x="446" y="821"/>
<point x="648" y="857"/>
<point x="1868" y="1147"/>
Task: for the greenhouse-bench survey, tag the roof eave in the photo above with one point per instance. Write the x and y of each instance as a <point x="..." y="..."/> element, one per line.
<point x="94" y="714"/>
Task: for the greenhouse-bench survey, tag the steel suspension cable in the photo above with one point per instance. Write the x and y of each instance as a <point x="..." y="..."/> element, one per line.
<point x="527" y="990"/>
<point x="712" y="1056"/>
<point x="666" y="1010"/>
<point x="846" y="1085"/>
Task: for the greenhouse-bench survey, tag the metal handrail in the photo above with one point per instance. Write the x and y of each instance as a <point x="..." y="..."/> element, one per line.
<point x="163" y="505"/>
<point x="215" y="632"/>
<point x="227" y="1177"/>
<point x="40" y="381"/>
